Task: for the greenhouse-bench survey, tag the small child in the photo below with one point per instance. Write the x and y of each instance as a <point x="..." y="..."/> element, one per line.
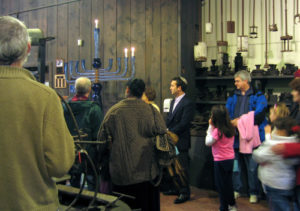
<point x="220" y="135"/>
<point x="276" y="173"/>
<point x="278" y="111"/>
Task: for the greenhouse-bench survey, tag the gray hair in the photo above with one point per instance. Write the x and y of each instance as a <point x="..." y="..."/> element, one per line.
<point x="82" y="85"/>
<point x="14" y="41"/>
<point x="244" y="75"/>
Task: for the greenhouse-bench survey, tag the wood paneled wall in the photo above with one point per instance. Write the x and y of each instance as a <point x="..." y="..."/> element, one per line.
<point x="153" y="27"/>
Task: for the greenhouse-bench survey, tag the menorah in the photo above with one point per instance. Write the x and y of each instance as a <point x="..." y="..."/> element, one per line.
<point x="71" y="69"/>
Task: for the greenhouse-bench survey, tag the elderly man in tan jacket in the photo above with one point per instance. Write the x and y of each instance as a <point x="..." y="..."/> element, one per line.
<point x="35" y="143"/>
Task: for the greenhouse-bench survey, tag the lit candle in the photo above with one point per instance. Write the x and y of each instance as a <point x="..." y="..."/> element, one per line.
<point x="132" y="52"/>
<point x="96" y="23"/>
<point x="96" y="38"/>
<point x="126" y="51"/>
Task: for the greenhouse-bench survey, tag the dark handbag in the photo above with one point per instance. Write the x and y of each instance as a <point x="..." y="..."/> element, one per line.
<point x="164" y="146"/>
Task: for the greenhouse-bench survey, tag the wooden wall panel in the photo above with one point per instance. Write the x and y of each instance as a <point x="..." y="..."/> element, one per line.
<point x="169" y="44"/>
<point x="110" y="48"/>
<point x="73" y="28"/>
<point x="188" y="40"/>
<point x="151" y="26"/>
<point x="156" y="60"/>
<point x="62" y="38"/>
<point x="138" y="35"/>
<point x="51" y="45"/>
<point x="123" y="40"/>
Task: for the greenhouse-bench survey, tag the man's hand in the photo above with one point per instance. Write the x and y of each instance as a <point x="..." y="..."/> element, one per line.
<point x="268" y="129"/>
<point x="234" y="122"/>
<point x="278" y="149"/>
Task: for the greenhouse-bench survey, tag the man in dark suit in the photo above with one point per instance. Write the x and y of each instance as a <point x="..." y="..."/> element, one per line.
<point x="178" y="121"/>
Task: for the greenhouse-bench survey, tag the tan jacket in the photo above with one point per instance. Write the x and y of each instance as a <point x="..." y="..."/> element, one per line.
<point x="35" y="142"/>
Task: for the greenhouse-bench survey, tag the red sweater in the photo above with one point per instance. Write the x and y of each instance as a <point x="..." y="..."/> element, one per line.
<point x="293" y="150"/>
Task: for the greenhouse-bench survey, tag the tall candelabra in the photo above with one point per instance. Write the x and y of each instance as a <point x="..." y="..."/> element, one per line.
<point x="97" y="74"/>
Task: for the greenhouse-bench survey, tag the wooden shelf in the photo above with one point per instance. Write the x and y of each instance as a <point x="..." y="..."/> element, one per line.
<point x="215" y="102"/>
<point x="211" y="102"/>
<point x="253" y="77"/>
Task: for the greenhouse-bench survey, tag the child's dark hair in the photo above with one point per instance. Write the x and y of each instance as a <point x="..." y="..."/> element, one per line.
<point x="220" y="119"/>
<point x="288" y="124"/>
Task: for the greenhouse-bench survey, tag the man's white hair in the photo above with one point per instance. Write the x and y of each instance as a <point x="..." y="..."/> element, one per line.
<point x="244" y="75"/>
<point x="82" y="85"/>
<point x="14" y="41"/>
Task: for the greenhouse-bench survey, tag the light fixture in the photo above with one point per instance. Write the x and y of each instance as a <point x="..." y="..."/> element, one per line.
<point x="273" y="27"/>
<point x="242" y="40"/>
<point x="253" y="28"/>
<point x="200" y="50"/>
<point x="297" y="16"/>
<point x="230" y="23"/>
<point x="222" y="45"/>
<point x="266" y="34"/>
<point x="209" y="25"/>
<point x="286" y="38"/>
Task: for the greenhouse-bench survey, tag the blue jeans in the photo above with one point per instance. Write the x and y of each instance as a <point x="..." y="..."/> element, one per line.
<point x="251" y="167"/>
<point x="279" y="200"/>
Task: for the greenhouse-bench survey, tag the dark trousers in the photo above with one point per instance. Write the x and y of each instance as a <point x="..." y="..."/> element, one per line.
<point x="184" y="160"/>
<point x="223" y="181"/>
<point x="146" y="196"/>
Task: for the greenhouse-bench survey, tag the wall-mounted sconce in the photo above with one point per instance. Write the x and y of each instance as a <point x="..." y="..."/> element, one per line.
<point x="79" y="42"/>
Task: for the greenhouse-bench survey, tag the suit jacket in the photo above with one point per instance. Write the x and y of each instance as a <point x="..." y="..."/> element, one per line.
<point x="179" y="122"/>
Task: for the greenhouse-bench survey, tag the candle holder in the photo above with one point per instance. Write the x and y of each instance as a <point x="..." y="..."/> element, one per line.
<point x="98" y="74"/>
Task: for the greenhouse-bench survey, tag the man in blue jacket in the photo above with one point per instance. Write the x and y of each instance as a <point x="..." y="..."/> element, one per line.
<point x="244" y="100"/>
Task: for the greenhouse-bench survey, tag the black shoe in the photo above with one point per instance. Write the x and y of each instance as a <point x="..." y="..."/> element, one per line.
<point x="171" y="192"/>
<point x="181" y="198"/>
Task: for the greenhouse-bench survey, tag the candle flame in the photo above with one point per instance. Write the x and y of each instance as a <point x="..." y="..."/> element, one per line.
<point x="96" y="23"/>
<point x="125" y="51"/>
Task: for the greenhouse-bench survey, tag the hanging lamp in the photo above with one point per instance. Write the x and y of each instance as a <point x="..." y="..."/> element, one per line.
<point x="200" y="50"/>
<point x="273" y="27"/>
<point x="286" y="38"/>
<point x="253" y="28"/>
<point x="297" y="16"/>
<point x="209" y="25"/>
<point x="230" y="23"/>
<point x="242" y="40"/>
<point x="222" y="45"/>
<point x="266" y="35"/>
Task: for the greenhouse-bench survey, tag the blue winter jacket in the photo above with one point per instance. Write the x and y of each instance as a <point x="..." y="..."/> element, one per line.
<point x="258" y="103"/>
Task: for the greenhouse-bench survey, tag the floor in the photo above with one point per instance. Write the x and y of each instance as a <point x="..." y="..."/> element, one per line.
<point x="207" y="200"/>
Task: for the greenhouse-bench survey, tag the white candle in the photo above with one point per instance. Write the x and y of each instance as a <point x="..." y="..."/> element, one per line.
<point x="79" y="42"/>
<point x="96" y="23"/>
<point x="132" y="52"/>
<point x="126" y="51"/>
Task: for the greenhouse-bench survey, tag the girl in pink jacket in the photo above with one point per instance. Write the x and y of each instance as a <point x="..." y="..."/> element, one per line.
<point x="220" y="135"/>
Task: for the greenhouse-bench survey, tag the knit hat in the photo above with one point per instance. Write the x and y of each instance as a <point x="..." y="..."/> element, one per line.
<point x="297" y="74"/>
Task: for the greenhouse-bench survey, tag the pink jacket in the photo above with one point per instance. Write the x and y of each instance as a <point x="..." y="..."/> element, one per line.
<point x="248" y="133"/>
